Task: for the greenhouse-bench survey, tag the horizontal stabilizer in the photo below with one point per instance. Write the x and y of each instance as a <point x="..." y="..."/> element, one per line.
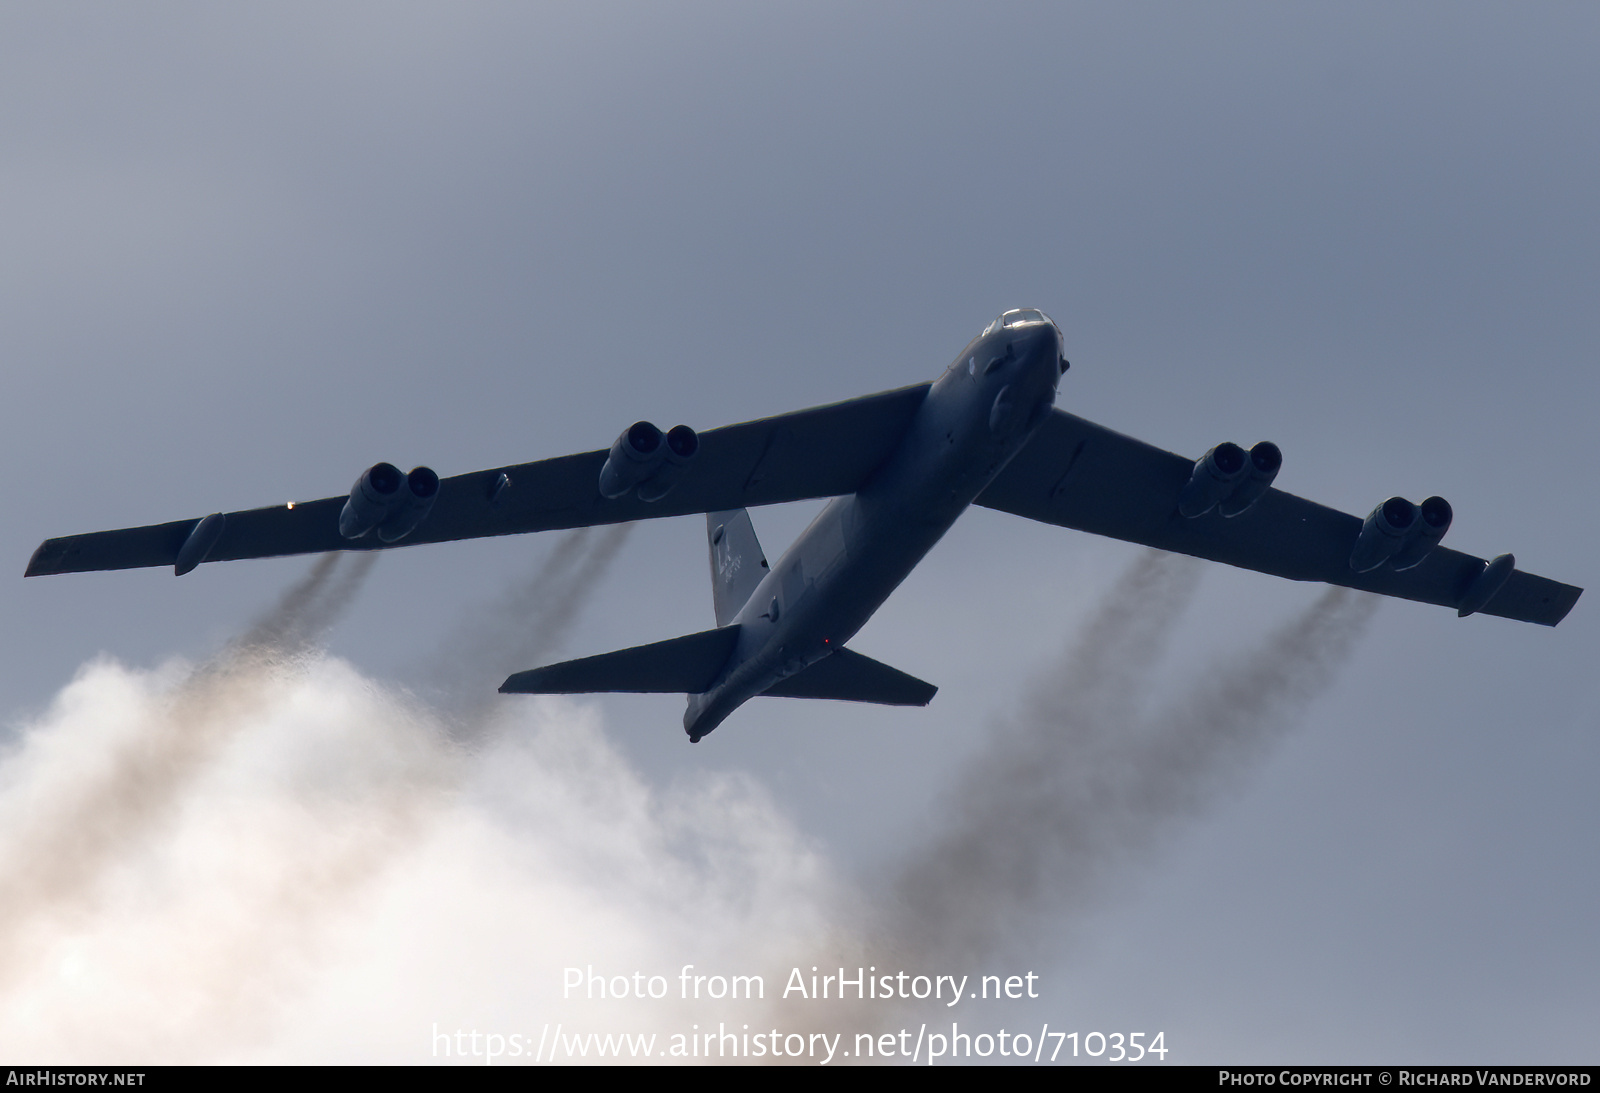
<point x="686" y="665"/>
<point x="851" y="677"/>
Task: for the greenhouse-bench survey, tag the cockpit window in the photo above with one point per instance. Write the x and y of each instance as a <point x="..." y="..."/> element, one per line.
<point x="1017" y="317"/>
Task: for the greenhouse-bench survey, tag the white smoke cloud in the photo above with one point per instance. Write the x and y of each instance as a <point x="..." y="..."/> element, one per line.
<point x="341" y="878"/>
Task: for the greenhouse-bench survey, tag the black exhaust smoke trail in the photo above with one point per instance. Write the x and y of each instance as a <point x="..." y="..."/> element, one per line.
<point x="52" y="861"/>
<point x="547" y="635"/>
<point x="1081" y="780"/>
<point x="305" y="611"/>
<point x="519" y="629"/>
<point x="1202" y="746"/>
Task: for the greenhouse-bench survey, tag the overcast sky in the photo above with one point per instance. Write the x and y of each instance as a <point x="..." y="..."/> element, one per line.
<point x="245" y="253"/>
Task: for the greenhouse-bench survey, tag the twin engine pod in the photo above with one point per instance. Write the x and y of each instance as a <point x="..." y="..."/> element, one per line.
<point x="1229" y="479"/>
<point x="1400" y="533"/>
<point x="388" y="501"/>
<point x="645" y="459"/>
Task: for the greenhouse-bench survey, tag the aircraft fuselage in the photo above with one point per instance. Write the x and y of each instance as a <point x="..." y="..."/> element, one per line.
<point x="825" y="587"/>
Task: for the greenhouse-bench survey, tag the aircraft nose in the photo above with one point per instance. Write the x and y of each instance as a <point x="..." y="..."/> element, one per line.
<point x="1038" y="347"/>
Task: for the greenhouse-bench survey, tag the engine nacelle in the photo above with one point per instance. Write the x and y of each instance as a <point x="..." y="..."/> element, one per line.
<point x="1435" y="520"/>
<point x="1216" y="475"/>
<point x="1400" y="533"/>
<point x="633" y="458"/>
<point x="645" y="459"/>
<point x="1386" y="530"/>
<point x="374" y="494"/>
<point x="388" y="501"/>
<point x="1265" y="461"/>
<point x="422" y="486"/>
<point x="683" y="444"/>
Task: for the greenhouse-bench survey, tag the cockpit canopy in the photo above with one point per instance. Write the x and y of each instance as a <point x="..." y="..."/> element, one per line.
<point x="1020" y="316"/>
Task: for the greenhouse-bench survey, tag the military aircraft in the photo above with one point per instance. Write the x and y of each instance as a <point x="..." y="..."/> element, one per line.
<point x="900" y="467"/>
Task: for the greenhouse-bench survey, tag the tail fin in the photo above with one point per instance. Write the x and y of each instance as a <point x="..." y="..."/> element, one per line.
<point x="851" y="677"/>
<point x="737" y="564"/>
<point x="686" y="665"/>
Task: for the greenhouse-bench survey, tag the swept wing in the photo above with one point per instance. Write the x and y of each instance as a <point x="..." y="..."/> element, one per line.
<point x="822" y="452"/>
<point x="1076" y="474"/>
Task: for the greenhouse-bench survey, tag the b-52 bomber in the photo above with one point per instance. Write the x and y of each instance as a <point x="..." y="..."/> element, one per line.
<point x="900" y="467"/>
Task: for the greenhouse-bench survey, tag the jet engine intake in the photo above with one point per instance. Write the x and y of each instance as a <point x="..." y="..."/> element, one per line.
<point x="1435" y="520"/>
<point x="645" y="459"/>
<point x="1265" y="461"/>
<point x="422" y="486"/>
<point x="1216" y="475"/>
<point x="1400" y="533"/>
<point x="683" y="444"/>
<point x="388" y="501"/>
<point x="633" y="458"/>
<point x="1387" y="529"/>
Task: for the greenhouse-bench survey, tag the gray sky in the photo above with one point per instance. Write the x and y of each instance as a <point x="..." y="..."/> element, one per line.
<point x="245" y="254"/>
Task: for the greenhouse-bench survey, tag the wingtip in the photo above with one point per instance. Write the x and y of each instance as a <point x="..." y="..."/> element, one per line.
<point x="39" y="564"/>
<point x="1571" y="602"/>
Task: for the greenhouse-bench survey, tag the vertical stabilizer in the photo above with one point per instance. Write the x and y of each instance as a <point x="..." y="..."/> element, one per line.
<point x="737" y="563"/>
